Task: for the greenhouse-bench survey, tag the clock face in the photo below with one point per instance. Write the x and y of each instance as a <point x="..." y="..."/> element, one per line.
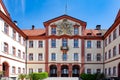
<point x="64" y="27"/>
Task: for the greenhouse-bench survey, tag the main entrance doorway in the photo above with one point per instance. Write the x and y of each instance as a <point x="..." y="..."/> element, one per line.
<point x="64" y="71"/>
<point x="53" y="71"/>
<point x="75" y="71"/>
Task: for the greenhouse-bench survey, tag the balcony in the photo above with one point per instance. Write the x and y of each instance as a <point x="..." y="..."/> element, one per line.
<point x="66" y="48"/>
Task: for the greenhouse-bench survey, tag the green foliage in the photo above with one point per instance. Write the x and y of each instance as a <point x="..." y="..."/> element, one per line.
<point x="21" y="76"/>
<point x="38" y="76"/>
<point x="92" y="76"/>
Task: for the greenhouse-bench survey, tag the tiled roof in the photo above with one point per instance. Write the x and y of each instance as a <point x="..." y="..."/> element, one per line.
<point x="93" y="32"/>
<point x="34" y="32"/>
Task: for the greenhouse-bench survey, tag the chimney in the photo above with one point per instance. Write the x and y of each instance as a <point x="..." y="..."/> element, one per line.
<point x="33" y="27"/>
<point x="98" y="27"/>
<point x="15" y="22"/>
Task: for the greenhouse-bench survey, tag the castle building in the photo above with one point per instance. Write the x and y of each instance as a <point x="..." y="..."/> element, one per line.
<point x="64" y="48"/>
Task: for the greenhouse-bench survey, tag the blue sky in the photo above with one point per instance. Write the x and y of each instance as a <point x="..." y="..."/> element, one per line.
<point x="35" y="12"/>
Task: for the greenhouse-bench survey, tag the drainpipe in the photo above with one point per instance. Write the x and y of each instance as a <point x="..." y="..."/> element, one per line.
<point x="103" y="58"/>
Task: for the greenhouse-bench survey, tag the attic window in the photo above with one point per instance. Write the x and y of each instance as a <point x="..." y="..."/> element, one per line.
<point x="99" y="34"/>
<point x="89" y="34"/>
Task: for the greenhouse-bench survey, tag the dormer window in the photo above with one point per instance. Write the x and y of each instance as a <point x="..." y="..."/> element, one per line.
<point x="89" y="34"/>
<point x="53" y="29"/>
<point x="99" y="34"/>
<point x="76" y="30"/>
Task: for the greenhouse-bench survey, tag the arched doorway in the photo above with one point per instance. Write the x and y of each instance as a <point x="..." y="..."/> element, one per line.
<point x="53" y="71"/>
<point x="5" y="69"/>
<point x="119" y="70"/>
<point x="75" y="71"/>
<point x="64" y="71"/>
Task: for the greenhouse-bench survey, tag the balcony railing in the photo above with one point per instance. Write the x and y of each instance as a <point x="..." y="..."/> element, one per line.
<point x="64" y="48"/>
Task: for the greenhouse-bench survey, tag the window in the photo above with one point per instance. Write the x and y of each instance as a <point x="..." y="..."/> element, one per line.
<point x="19" y="70"/>
<point x="64" y="42"/>
<point x="64" y="57"/>
<point x="105" y="55"/>
<point x="99" y="34"/>
<point x="31" y="56"/>
<point x="53" y="57"/>
<point x="19" y="53"/>
<point x="40" y="44"/>
<point x="14" y="34"/>
<point x="109" y="39"/>
<point x="88" y="57"/>
<point x="114" y="34"/>
<point x="6" y="28"/>
<point x="88" y="44"/>
<point x="53" y="30"/>
<point x="119" y="48"/>
<point x="109" y="71"/>
<point x="98" y="44"/>
<point x="88" y="71"/>
<point x="13" y="69"/>
<point x="105" y="42"/>
<point x="40" y="57"/>
<point x="24" y="57"/>
<point x="109" y="55"/>
<point x="98" y="70"/>
<point x="30" y="70"/>
<point x="30" y="44"/>
<point x="98" y="57"/>
<point x="89" y="34"/>
<point x="5" y="47"/>
<point x="119" y="29"/>
<point x="23" y="70"/>
<point x="76" y="42"/>
<point x="24" y="41"/>
<point x="114" y="51"/>
<point x="13" y="51"/>
<point x="76" y="56"/>
<point x="105" y="71"/>
<point x="39" y="69"/>
<point x="53" y="43"/>
<point x="114" y="71"/>
<point x="19" y="38"/>
<point x="76" y="30"/>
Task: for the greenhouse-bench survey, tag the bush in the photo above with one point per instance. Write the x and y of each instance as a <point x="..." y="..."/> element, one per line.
<point x="39" y="76"/>
<point x="92" y="76"/>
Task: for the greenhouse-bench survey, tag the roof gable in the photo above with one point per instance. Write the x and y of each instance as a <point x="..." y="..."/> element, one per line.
<point x="62" y="17"/>
<point x="3" y="9"/>
<point x="118" y="15"/>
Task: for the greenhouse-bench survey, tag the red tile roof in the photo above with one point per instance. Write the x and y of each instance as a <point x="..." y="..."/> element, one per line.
<point x="34" y="32"/>
<point x="93" y="32"/>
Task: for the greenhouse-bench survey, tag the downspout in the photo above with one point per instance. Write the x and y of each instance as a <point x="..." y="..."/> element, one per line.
<point x="26" y="55"/>
<point x="103" y="57"/>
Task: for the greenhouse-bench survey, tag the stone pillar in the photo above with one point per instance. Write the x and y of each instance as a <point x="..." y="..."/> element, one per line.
<point x="70" y="70"/>
<point x="58" y="70"/>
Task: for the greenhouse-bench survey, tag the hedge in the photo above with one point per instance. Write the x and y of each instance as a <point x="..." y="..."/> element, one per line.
<point x="39" y="76"/>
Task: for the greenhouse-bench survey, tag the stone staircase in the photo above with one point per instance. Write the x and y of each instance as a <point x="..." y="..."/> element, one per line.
<point x="62" y="78"/>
